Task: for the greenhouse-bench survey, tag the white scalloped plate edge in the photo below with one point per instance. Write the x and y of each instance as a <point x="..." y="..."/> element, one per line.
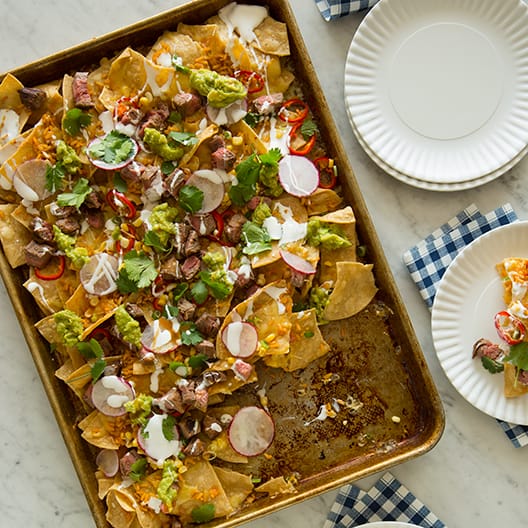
<point x="503" y="139"/>
<point x="468" y="296"/>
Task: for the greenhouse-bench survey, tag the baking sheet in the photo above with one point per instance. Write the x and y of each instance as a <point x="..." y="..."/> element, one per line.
<point x="375" y="357"/>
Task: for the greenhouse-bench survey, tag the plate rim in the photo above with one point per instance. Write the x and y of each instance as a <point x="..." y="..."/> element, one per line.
<point x="510" y="408"/>
<point x="371" y="104"/>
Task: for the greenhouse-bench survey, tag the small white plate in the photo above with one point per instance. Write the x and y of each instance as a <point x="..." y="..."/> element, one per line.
<point x="468" y="296"/>
<point x="439" y="90"/>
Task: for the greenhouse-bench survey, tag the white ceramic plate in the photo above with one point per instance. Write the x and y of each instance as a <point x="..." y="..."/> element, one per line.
<point x="439" y="90"/>
<point x="469" y="295"/>
<point x="430" y="186"/>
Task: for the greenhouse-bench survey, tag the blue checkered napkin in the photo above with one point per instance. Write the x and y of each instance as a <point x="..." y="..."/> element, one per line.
<point x="429" y="259"/>
<point x="387" y="500"/>
<point x="331" y="9"/>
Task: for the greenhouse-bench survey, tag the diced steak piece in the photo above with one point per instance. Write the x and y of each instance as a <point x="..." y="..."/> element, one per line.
<point x="523" y="377"/>
<point x="194" y="448"/>
<point x="94" y="200"/>
<point x="223" y="158"/>
<point x="127" y="461"/>
<point x="201" y="399"/>
<point x="134" y="310"/>
<point x="189" y="427"/>
<point x="81" y="93"/>
<point x="242" y="369"/>
<point x="43" y="230"/>
<point x="68" y="225"/>
<point x="186" y="309"/>
<point x="170" y="269"/>
<point x="188" y="393"/>
<point x="38" y="255"/>
<point x="484" y="347"/>
<point x="132" y="172"/>
<point x="211" y="427"/>
<point x="155" y="118"/>
<point x="174" y="182"/>
<point x="215" y="142"/>
<point x="186" y="103"/>
<point x="192" y="243"/>
<point x="208" y="325"/>
<point x="62" y="212"/>
<point x="256" y="200"/>
<point x="207" y="348"/>
<point x="266" y="104"/>
<point x="171" y="402"/>
<point x="190" y="267"/>
<point x="233" y="228"/>
<point x="204" y="224"/>
<point x="210" y="377"/>
<point x="180" y="237"/>
<point x="132" y="116"/>
<point x="95" y="218"/>
<point x="32" y="98"/>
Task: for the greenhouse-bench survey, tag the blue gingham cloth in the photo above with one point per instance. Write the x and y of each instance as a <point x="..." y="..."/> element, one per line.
<point x="428" y="260"/>
<point x="331" y="9"/>
<point x="387" y="500"/>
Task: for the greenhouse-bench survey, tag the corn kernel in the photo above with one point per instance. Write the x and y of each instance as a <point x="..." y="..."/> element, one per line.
<point x="237" y="140"/>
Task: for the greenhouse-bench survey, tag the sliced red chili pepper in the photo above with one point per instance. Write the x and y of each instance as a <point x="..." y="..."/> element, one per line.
<point x="55" y="273"/>
<point x="253" y="81"/>
<point x="120" y="203"/>
<point x="304" y="146"/>
<point x="509" y="328"/>
<point x="327" y="172"/>
<point x="100" y="334"/>
<point x="293" y="111"/>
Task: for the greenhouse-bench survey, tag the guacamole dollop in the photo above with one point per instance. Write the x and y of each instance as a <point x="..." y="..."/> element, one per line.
<point x="261" y="212"/>
<point x="69" y="327"/>
<point x="127" y="326"/>
<point x="166" y="491"/>
<point x="159" y="144"/>
<point x="327" y="235"/>
<point x="67" y="157"/>
<point x="214" y="260"/>
<point x="78" y="255"/>
<point x="162" y="221"/>
<point x="139" y="409"/>
<point x="220" y="90"/>
<point x="269" y="178"/>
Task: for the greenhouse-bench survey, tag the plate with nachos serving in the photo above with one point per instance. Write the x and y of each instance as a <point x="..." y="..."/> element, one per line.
<point x="179" y="248"/>
<point x="475" y="290"/>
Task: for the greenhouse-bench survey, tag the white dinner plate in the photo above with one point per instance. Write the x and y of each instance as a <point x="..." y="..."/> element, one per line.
<point x="469" y="295"/>
<point x="439" y="90"/>
<point x="430" y="186"/>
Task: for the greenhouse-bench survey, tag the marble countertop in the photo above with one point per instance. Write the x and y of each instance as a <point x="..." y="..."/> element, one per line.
<point x="473" y="478"/>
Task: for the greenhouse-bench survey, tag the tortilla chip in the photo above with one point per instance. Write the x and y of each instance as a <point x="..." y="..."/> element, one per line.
<point x="353" y="290"/>
<point x="322" y="201"/>
<point x="9" y="148"/>
<point x="95" y="430"/>
<point x="512" y="388"/>
<point x="272" y="37"/>
<point x="252" y="143"/>
<point x="53" y="103"/>
<point x="175" y="44"/>
<point x="236" y="485"/>
<point x="221" y="449"/>
<point x="116" y="515"/>
<point x="13" y="114"/>
<point x="276" y="486"/>
<point x="13" y="236"/>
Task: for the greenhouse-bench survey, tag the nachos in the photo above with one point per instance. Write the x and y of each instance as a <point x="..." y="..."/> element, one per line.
<point x="181" y="225"/>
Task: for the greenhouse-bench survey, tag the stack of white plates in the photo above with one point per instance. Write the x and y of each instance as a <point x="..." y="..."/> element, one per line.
<point x="437" y="91"/>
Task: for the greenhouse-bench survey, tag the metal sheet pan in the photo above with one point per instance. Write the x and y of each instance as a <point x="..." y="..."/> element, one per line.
<point x="375" y="357"/>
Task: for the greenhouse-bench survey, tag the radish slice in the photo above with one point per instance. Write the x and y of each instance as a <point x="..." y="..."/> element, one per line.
<point x="229" y="114"/>
<point x="211" y="184"/>
<point x="153" y="440"/>
<point x="98" y="276"/>
<point x="108" y="462"/>
<point x="240" y="338"/>
<point x="160" y="337"/>
<point x="298" y="175"/>
<point x="297" y="263"/>
<point x="110" y="393"/>
<point x="96" y="160"/>
<point x="29" y="180"/>
<point x="251" y="431"/>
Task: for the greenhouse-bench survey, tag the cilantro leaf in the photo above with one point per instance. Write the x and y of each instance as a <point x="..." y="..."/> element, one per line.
<point x="152" y="239"/>
<point x="308" y="129"/>
<point x="187" y="139"/>
<point x="256" y="239"/>
<point x="178" y="291"/>
<point x="90" y="349"/>
<point x="112" y="148"/>
<point x="167" y="167"/>
<point x="138" y="469"/>
<point x="518" y="355"/>
<point x="272" y="157"/>
<point x="74" y="120"/>
<point x="220" y="289"/>
<point x="55" y="175"/>
<point x="119" y="183"/>
<point x="199" y="292"/>
<point x="138" y="271"/>
<point x="168" y="425"/>
<point x="491" y="365"/>
<point x="198" y="361"/>
<point x="252" y="119"/>
<point x="190" y="335"/>
<point x="77" y="196"/>
<point x="191" y="198"/>
<point x="97" y="369"/>
<point x="247" y="173"/>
